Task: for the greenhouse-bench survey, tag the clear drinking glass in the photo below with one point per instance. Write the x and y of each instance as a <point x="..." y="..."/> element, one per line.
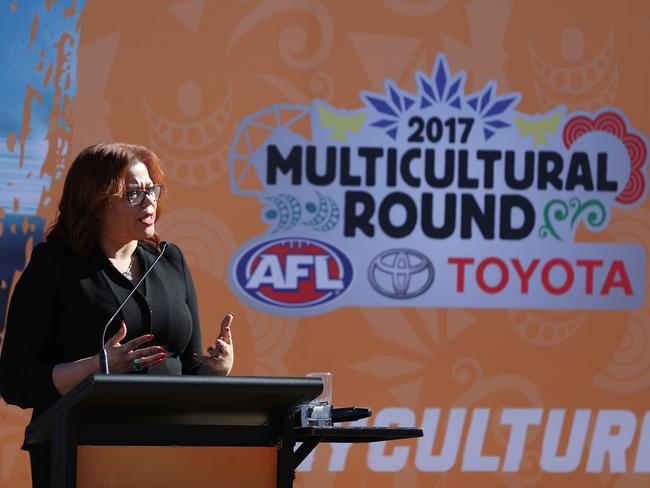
<point x="319" y="410"/>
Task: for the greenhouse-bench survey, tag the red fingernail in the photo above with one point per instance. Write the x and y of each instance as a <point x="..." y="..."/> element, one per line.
<point x="164" y="355"/>
<point x="150" y="336"/>
<point x="160" y="349"/>
<point x="159" y="361"/>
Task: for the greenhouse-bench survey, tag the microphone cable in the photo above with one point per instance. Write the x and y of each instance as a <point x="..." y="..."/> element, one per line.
<point x="103" y="357"/>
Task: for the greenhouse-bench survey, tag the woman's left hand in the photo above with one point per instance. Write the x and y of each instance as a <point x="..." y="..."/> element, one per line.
<point x="220" y="357"/>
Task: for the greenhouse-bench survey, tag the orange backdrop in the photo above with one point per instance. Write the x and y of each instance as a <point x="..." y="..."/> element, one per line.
<point x="179" y="76"/>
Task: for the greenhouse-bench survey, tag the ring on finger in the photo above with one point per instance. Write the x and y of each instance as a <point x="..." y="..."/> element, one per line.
<point x="137" y="365"/>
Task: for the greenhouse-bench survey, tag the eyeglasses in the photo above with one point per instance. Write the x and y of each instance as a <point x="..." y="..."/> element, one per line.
<point x="136" y="197"/>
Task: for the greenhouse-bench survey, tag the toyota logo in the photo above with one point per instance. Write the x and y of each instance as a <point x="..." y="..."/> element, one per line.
<point x="401" y="273"/>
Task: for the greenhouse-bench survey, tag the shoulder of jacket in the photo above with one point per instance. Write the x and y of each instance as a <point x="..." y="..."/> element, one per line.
<point x="50" y="251"/>
<point x="49" y="258"/>
<point x="172" y="253"/>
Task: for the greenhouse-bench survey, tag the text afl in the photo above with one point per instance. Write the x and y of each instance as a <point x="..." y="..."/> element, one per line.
<point x="293" y="272"/>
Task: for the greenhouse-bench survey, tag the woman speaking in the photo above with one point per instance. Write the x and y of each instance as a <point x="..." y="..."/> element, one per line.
<point x="101" y="244"/>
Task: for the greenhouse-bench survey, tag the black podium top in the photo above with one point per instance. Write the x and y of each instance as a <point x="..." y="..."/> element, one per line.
<point x="178" y="400"/>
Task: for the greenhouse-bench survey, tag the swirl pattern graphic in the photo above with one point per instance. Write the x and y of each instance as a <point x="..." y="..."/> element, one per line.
<point x="293" y="40"/>
<point x="636" y="148"/>
<point x="628" y="370"/>
<point x="576" y="128"/>
<point x="469" y="371"/>
<point x="273" y="336"/>
<point x="205" y="239"/>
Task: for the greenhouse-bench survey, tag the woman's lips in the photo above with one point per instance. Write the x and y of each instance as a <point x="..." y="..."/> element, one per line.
<point x="148" y="219"/>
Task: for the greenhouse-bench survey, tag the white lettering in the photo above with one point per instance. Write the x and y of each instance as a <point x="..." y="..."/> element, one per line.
<point x="323" y="280"/>
<point x="613" y="434"/>
<point x="550" y="460"/>
<point x="642" y="463"/>
<point x="519" y="420"/>
<point x="267" y="272"/>
<point x="378" y="460"/>
<point x="473" y="458"/>
<point x="308" y="462"/>
<point x="295" y="269"/>
<point x="427" y="462"/>
<point x="613" y="437"/>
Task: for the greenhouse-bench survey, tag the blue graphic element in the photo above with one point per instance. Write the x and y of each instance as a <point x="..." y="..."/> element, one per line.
<point x="489" y="107"/>
<point x="25" y="64"/>
<point x="327" y="214"/>
<point x="17" y="229"/>
<point x="286" y="212"/>
<point x="29" y="53"/>
<point x="391" y="107"/>
<point x="441" y="87"/>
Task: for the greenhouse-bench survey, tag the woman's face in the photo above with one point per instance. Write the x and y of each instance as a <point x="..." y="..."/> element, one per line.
<point x="122" y="222"/>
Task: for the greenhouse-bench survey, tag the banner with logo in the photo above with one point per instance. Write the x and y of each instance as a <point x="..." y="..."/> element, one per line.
<point x="444" y="202"/>
<point x="492" y="196"/>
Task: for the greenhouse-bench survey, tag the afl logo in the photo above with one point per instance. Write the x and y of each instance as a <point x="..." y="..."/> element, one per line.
<point x="293" y="272"/>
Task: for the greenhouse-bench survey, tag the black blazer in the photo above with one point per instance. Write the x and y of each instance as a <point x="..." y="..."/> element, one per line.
<point x="61" y="303"/>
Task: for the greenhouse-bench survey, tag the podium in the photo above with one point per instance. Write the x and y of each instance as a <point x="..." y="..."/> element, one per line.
<point x="137" y="410"/>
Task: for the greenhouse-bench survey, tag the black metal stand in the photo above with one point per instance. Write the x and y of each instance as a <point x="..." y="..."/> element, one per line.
<point x="127" y="410"/>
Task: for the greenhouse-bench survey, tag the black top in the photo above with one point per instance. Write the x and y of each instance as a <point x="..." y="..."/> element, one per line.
<point x="61" y="304"/>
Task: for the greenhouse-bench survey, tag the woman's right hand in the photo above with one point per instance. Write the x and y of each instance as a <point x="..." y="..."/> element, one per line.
<point x="120" y="360"/>
<point x="121" y="356"/>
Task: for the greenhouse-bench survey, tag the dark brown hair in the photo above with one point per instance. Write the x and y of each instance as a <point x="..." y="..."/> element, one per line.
<point x="95" y="176"/>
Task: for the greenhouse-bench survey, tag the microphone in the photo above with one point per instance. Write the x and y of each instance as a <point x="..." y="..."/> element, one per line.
<point x="103" y="357"/>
